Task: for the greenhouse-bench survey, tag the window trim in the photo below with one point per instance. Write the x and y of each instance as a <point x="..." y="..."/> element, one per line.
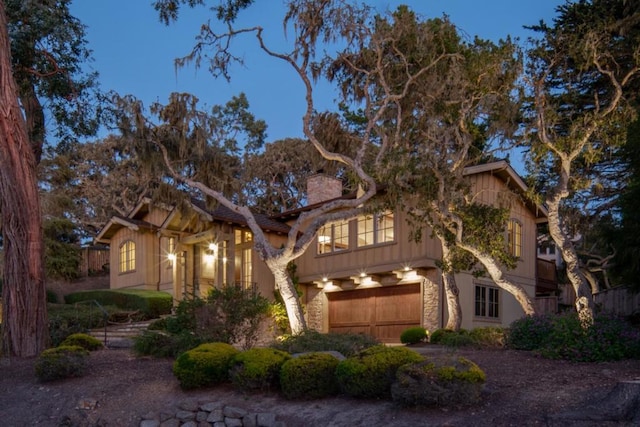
<point x="490" y="301"/>
<point x="515" y="237"/>
<point x="127" y="257"/>
<point x="329" y="230"/>
<point x="376" y="232"/>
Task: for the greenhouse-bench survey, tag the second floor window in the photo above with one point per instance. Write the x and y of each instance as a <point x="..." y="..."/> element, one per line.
<point x="375" y="229"/>
<point x="333" y="237"/>
<point x="487" y="302"/>
<point x="127" y="256"/>
<point x="514" y="238"/>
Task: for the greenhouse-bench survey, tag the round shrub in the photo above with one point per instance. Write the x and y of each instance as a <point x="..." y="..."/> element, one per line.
<point x="61" y="362"/>
<point x="440" y="334"/>
<point x="83" y="340"/>
<point x="371" y="372"/>
<point x="529" y="332"/>
<point x="444" y="381"/>
<point x="257" y="369"/>
<point x="413" y="335"/>
<point x="490" y="336"/>
<point x="309" y="376"/>
<point x="348" y="344"/>
<point x="204" y="365"/>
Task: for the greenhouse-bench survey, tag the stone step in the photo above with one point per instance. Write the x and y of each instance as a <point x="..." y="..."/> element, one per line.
<point x="120" y="335"/>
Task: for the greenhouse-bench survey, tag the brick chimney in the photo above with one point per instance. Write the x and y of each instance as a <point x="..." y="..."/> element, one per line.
<point x="321" y="187"/>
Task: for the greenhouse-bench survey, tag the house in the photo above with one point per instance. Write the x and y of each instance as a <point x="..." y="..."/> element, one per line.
<point x="362" y="275"/>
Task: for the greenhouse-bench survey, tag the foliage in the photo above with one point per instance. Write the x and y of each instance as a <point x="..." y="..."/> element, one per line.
<point x="204" y="365"/>
<point x="83" y="340"/>
<point x="162" y="344"/>
<point x="371" y="372"/>
<point x="152" y="304"/>
<point x="309" y="376"/>
<point x="52" y="296"/>
<point x="414" y="335"/>
<point x="442" y="381"/>
<point x="488" y="336"/>
<point x="61" y="362"/>
<point x="62" y="253"/>
<point x="450" y="338"/>
<point x="529" y="332"/>
<point x="65" y="319"/>
<point x="311" y="341"/>
<point x="565" y="337"/>
<point x="257" y="369"/>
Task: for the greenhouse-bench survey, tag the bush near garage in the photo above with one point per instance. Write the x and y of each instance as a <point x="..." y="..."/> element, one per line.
<point x="347" y="344"/>
<point x="371" y="372"/>
<point x="414" y="335"/>
<point x="309" y="376"/>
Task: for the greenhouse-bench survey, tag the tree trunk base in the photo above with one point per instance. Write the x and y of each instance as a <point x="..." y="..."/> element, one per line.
<point x="621" y="406"/>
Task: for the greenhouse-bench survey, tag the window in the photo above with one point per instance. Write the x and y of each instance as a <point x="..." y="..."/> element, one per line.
<point x="333" y="237"/>
<point x="243" y="272"/>
<point x="375" y="229"/>
<point x="514" y="238"/>
<point x="127" y="256"/>
<point x="209" y="256"/>
<point x="487" y="302"/>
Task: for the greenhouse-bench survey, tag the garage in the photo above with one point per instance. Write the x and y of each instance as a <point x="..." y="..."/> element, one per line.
<point x="382" y="312"/>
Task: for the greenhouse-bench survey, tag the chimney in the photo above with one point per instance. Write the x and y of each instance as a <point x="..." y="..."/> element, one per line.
<point x="321" y="187"/>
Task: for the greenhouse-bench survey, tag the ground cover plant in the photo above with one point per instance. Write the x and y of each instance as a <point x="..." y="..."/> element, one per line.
<point x="347" y="344"/>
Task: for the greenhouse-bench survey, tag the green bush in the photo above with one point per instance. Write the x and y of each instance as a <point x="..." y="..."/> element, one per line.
<point x="258" y="369"/>
<point x="205" y="365"/>
<point x="83" y="340"/>
<point x="152" y="304"/>
<point x="65" y="319"/>
<point x="489" y="336"/>
<point x="371" y="372"/>
<point x="163" y="344"/>
<point x="309" y="341"/>
<point x="52" y="297"/>
<point x="451" y="338"/>
<point x="413" y="335"/>
<point x="608" y="338"/>
<point x="529" y="332"/>
<point x="443" y="381"/>
<point x="61" y="362"/>
<point x="309" y="376"/>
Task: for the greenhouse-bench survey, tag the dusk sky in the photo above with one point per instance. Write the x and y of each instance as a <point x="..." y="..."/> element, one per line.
<point x="134" y="52"/>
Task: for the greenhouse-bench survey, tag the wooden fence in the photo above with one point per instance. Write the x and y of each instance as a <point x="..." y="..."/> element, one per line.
<point x="618" y="300"/>
<point x="95" y="260"/>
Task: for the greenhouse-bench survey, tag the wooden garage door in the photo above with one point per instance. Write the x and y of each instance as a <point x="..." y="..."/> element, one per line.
<point x="381" y="312"/>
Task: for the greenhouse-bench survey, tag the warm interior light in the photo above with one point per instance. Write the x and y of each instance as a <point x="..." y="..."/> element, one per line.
<point x="213" y="246"/>
<point x="323" y="240"/>
<point x="171" y="257"/>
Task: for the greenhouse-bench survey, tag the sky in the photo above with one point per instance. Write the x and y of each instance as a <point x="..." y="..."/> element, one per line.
<point x="134" y="52"/>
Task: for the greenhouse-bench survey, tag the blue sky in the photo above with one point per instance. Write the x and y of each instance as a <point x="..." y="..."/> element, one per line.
<point x="134" y="52"/>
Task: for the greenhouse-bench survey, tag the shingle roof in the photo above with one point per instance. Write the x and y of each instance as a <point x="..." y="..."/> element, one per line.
<point x="224" y="214"/>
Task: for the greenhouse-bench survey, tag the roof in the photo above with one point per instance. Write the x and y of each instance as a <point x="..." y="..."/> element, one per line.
<point x="223" y="214"/>
<point x="118" y="222"/>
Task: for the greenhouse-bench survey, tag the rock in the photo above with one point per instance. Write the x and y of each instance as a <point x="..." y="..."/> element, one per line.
<point x="189" y="406"/>
<point x="215" y="416"/>
<point x="170" y="423"/>
<point x="210" y="406"/>
<point x="266" y="419"/>
<point x="250" y="420"/>
<point x="150" y="423"/>
<point x="190" y="424"/>
<point x="234" y="412"/>
<point x="232" y="422"/>
<point x="185" y="416"/>
<point x="87" y="404"/>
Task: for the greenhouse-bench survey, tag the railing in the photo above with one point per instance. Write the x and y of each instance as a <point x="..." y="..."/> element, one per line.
<point x="105" y="314"/>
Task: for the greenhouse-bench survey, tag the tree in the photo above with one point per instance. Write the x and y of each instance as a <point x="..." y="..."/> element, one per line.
<point x="24" y="316"/>
<point x="578" y="74"/>
<point x="43" y="50"/>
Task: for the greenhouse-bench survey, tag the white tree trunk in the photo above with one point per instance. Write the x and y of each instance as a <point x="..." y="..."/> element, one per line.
<point x="289" y="295"/>
<point x="454" y="311"/>
<point x="584" y="298"/>
<point x="494" y="271"/>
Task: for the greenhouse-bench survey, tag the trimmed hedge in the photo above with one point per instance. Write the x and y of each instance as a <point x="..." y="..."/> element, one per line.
<point x="205" y="365"/>
<point x="83" y="340"/>
<point x="309" y="376"/>
<point x="61" y="362"/>
<point x="413" y="335"/>
<point x="152" y="303"/>
<point x="257" y="369"/>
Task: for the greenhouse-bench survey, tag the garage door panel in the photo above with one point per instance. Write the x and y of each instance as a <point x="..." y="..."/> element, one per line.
<point x="381" y="312"/>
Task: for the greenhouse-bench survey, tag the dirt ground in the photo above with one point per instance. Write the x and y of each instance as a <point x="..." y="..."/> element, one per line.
<point x="521" y="390"/>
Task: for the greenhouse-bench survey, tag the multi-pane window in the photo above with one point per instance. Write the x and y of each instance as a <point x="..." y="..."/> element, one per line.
<point x="514" y="238"/>
<point x="333" y="237"/>
<point x="243" y="262"/>
<point x="487" y="302"/>
<point x="375" y="229"/>
<point x="127" y="256"/>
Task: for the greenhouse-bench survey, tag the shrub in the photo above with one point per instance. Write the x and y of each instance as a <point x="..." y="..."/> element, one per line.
<point x="257" y="369"/>
<point x="442" y="381"/>
<point x="309" y="376"/>
<point x="83" y="340"/>
<point x="371" y="372"/>
<point x="162" y="344"/>
<point x="151" y="303"/>
<point x="205" y="365"/>
<point x="61" y="362"/>
<point x="310" y="341"/>
<point x="65" y="319"/>
<point x="52" y="297"/>
<point x="451" y="338"/>
<point x="529" y="332"/>
<point x="414" y="335"/>
<point x="489" y="336"/>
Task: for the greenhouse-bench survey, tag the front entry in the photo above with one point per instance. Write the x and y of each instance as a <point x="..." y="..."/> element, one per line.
<point x="381" y="312"/>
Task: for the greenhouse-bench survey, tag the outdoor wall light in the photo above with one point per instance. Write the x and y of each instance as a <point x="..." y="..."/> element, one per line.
<point x="171" y="257"/>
